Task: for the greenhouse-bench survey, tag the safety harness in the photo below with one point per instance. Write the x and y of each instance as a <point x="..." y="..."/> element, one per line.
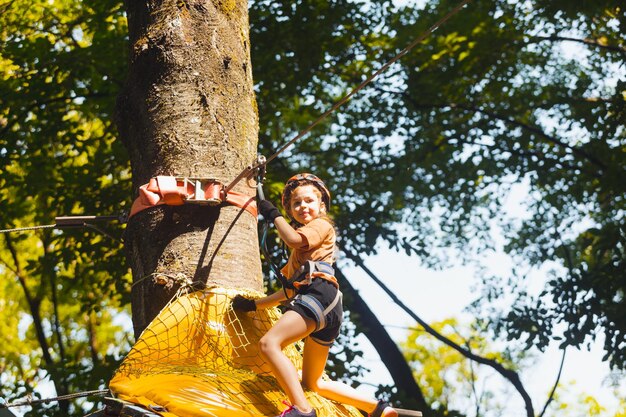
<point x="318" y="310"/>
<point x="309" y="270"/>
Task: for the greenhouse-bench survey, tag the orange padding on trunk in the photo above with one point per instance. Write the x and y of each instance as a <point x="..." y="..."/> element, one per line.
<point x="174" y="191"/>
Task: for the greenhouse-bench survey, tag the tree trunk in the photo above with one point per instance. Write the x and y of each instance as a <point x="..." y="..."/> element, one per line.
<point x="386" y="348"/>
<point x="188" y="109"/>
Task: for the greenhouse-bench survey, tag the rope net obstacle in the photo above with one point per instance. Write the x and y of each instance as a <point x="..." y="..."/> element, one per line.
<point x="199" y="357"/>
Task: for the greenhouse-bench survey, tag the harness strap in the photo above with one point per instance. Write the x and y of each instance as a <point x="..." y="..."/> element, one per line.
<point x="315" y="307"/>
<point x="176" y="191"/>
<point x="324" y="267"/>
<point x="309" y="270"/>
<point x="332" y="305"/>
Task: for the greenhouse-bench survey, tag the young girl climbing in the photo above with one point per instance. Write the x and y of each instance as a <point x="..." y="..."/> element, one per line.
<point x="313" y="310"/>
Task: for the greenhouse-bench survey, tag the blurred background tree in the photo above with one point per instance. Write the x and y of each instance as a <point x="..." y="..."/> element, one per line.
<point x="506" y="96"/>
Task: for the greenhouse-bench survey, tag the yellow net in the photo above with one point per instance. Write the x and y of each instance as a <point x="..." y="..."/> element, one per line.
<point x="199" y="358"/>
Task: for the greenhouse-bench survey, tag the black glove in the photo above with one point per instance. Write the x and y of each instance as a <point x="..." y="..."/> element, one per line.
<point x="243" y="304"/>
<point x="268" y="211"/>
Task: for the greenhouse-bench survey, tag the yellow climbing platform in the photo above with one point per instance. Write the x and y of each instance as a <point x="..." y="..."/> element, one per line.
<point x="199" y="358"/>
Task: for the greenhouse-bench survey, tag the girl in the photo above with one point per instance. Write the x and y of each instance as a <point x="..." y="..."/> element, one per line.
<point x="314" y="309"/>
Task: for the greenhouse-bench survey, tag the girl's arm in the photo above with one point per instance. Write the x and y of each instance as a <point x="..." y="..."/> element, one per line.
<point x="272" y="300"/>
<point x="288" y="234"/>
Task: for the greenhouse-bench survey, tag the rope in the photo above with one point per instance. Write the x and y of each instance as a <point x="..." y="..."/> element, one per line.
<point x="268" y="257"/>
<point x="22" y="229"/>
<point x="247" y="172"/>
<point x="29" y="401"/>
<point x="72" y="221"/>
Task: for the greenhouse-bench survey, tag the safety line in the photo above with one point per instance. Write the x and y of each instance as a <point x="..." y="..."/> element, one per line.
<point x="22" y="229"/>
<point x="27" y="402"/>
<point x="248" y="171"/>
<point x="69" y="222"/>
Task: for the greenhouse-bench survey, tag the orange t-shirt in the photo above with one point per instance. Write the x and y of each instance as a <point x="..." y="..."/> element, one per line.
<point x="320" y="237"/>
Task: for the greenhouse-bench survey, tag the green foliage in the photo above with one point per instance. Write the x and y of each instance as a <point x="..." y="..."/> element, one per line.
<point x="590" y="298"/>
<point x="61" y="66"/>
<point x="451" y="383"/>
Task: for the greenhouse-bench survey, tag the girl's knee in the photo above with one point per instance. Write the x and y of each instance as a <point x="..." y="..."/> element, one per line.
<point x="267" y="345"/>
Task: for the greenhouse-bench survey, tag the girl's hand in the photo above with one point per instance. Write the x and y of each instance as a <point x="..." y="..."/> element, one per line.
<point x="268" y="210"/>
<point x="243" y="304"/>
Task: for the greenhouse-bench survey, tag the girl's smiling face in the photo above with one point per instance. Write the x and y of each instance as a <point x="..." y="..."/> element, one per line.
<point x="306" y="204"/>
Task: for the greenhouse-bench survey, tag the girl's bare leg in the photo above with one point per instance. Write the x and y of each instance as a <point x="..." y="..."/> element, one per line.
<point x="290" y="328"/>
<point x="314" y="362"/>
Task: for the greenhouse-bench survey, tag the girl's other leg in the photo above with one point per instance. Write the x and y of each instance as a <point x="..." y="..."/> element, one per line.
<point x="314" y="361"/>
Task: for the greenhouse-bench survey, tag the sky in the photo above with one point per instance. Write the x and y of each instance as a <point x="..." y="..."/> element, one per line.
<point x="436" y="295"/>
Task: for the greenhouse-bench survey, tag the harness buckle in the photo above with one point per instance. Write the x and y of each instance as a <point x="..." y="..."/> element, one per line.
<point x="207" y="191"/>
<point x="303" y="276"/>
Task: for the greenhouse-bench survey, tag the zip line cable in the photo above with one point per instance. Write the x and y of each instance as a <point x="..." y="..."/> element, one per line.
<point x="66" y="222"/>
<point x="247" y="172"/>
<point x="23" y="229"/>
<point x="29" y="402"/>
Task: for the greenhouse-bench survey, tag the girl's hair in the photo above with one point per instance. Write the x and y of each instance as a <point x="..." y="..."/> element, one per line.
<point x="300" y="180"/>
<point x="318" y="193"/>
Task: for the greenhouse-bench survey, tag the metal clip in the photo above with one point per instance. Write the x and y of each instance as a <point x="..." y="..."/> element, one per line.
<point x="260" y="176"/>
<point x="207" y="191"/>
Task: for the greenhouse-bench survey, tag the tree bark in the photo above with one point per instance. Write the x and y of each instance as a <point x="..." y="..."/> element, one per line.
<point x="188" y="109"/>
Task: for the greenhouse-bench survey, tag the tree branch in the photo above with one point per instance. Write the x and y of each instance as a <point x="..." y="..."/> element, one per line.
<point x="537" y="131"/>
<point x="585" y="41"/>
<point x="509" y="374"/>
<point x="56" y="322"/>
<point x="509" y="120"/>
<point x="387" y="349"/>
<point x="556" y="383"/>
<point x="570" y="267"/>
<point x="33" y="303"/>
<point x="90" y="319"/>
<point x="518" y="152"/>
<point x="527" y="155"/>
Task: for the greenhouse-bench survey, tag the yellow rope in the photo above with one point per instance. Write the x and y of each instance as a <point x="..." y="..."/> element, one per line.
<point x="199" y="357"/>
